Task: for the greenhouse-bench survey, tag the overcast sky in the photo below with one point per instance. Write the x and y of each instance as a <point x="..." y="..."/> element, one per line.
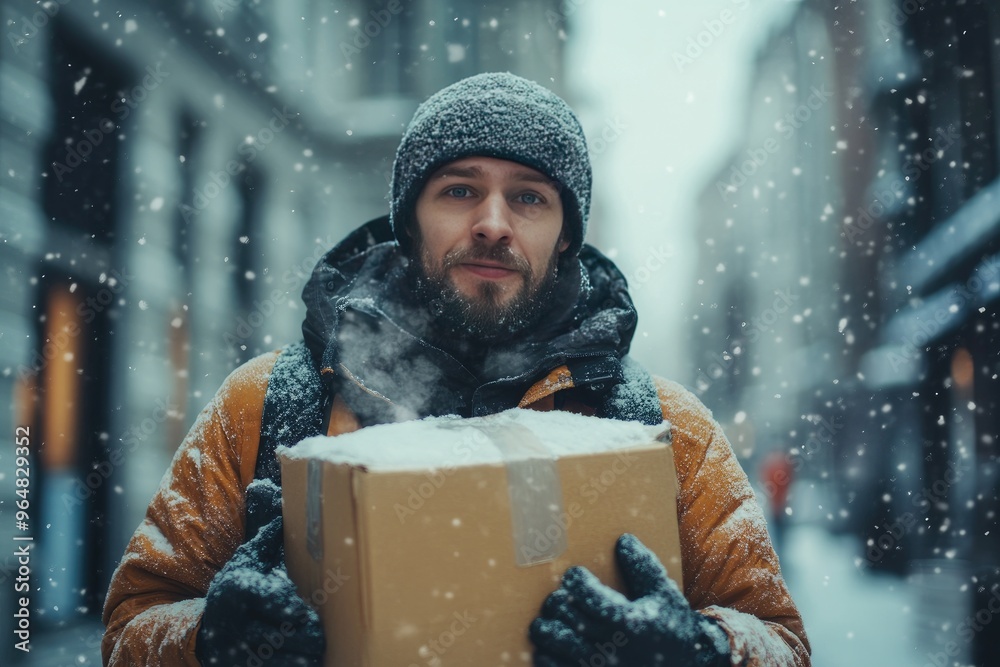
<point x="673" y="123"/>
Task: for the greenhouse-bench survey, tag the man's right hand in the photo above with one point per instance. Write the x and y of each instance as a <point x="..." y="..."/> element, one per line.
<point x="253" y="613"/>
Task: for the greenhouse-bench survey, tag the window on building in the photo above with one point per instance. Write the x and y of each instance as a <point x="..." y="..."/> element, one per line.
<point x="92" y="105"/>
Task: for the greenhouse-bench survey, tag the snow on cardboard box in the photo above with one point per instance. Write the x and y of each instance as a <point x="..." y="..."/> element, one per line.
<point x="435" y="542"/>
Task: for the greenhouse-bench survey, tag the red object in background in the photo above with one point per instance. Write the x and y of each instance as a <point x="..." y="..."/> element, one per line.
<point x="776" y="474"/>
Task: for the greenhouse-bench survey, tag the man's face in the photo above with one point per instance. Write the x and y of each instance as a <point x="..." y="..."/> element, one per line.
<point x="487" y="243"/>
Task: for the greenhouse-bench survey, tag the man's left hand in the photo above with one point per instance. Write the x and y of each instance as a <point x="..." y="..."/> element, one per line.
<point x="253" y="611"/>
<point x="584" y="620"/>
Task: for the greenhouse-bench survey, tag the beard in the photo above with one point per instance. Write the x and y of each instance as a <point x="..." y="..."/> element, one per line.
<point x="491" y="313"/>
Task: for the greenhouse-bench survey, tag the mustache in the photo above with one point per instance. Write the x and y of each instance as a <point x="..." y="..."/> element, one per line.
<point x="499" y="254"/>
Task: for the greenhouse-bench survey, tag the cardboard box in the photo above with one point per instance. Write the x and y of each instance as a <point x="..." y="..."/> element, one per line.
<point x="435" y="542"/>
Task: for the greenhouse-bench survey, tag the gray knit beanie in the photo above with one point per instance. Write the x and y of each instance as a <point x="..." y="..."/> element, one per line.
<point x="496" y="115"/>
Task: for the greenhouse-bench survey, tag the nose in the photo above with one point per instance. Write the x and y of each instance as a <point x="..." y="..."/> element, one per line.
<point x="492" y="223"/>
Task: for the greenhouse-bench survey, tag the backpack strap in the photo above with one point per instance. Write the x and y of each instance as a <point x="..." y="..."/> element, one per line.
<point x="634" y="398"/>
<point x="293" y="408"/>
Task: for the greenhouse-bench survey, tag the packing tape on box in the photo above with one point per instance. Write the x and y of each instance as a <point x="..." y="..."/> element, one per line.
<point x="536" y="507"/>
<point x="314" y="509"/>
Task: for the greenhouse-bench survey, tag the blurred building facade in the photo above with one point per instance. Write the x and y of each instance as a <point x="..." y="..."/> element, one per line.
<point x="172" y="171"/>
<point x="865" y="190"/>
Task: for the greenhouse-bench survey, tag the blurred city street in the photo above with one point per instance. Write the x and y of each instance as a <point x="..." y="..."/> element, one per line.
<point x="801" y="195"/>
<point x="74" y="646"/>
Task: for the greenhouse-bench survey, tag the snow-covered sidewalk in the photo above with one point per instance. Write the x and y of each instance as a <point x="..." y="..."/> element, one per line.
<point x="852" y="618"/>
<point x="78" y="645"/>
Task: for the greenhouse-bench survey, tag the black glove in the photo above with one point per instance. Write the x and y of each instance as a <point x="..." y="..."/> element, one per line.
<point x="253" y="614"/>
<point x="586" y="623"/>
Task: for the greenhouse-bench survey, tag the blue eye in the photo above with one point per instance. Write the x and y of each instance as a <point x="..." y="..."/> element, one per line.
<point x="459" y="192"/>
<point x="530" y="198"/>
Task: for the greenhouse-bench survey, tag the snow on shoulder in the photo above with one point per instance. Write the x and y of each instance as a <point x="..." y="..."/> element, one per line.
<point x="449" y="441"/>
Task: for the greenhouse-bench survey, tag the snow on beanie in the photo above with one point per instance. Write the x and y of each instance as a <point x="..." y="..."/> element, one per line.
<point x="496" y="115"/>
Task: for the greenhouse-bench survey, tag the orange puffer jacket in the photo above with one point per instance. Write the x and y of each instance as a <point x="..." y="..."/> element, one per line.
<point x="195" y="522"/>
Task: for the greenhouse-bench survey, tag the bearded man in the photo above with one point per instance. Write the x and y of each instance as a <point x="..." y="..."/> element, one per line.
<point x="476" y="294"/>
